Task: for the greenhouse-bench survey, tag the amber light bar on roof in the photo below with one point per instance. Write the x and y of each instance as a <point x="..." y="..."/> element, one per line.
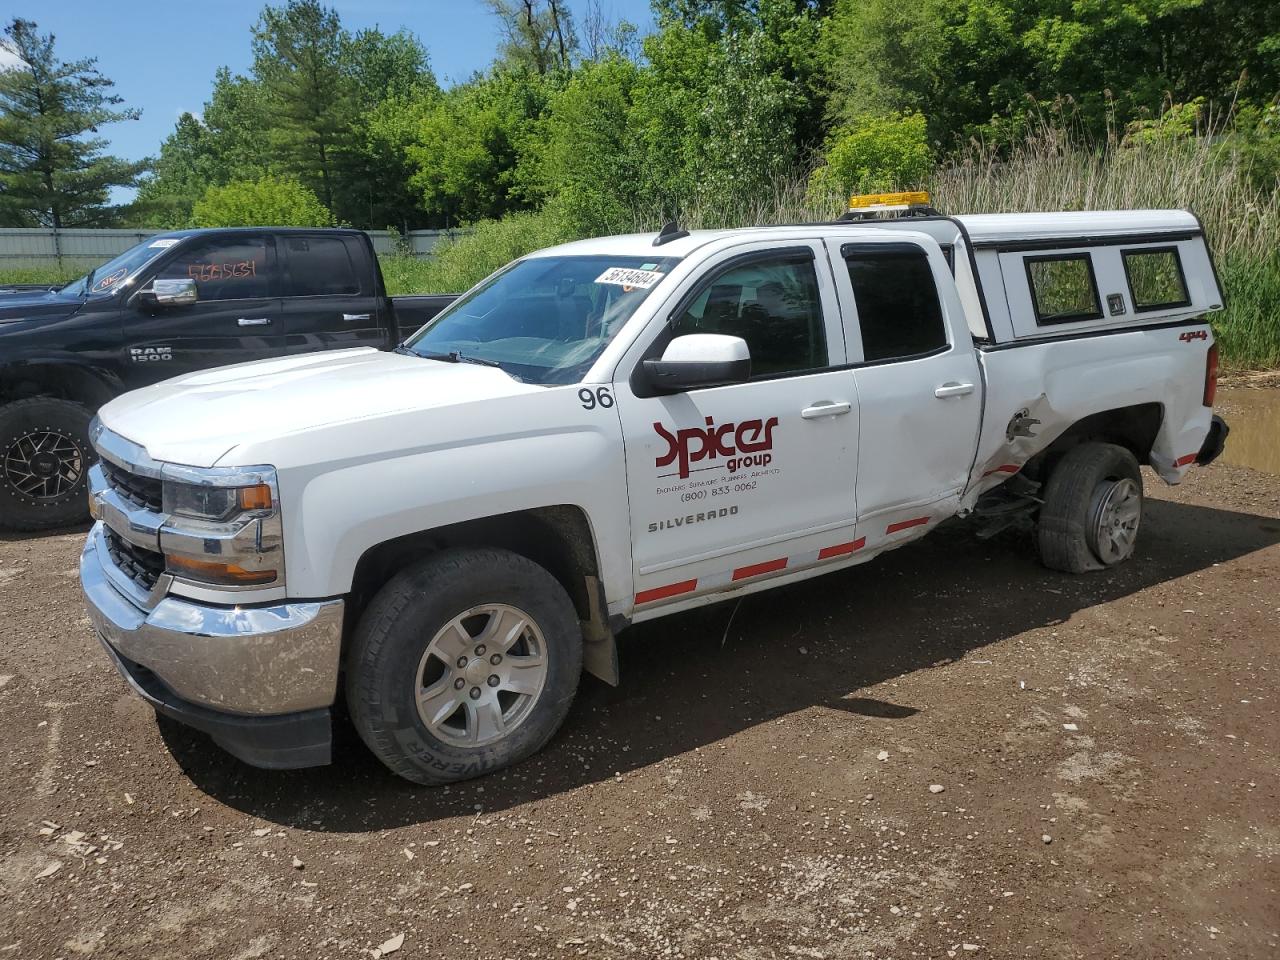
<point x="889" y="201"/>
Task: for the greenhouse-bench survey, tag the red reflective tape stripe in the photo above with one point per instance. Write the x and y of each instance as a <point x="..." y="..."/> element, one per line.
<point x="670" y="590"/>
<point x="742" y="573"/>
<point x="842" y="549"/>
<point x="1183" y="461"/>
<point x="905" y="524"/>
<point x="1004" y="468"/>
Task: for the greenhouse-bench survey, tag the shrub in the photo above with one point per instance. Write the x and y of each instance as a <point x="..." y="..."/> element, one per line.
<point x="459" y="264"/>
<point x="871" y="155"/>
<point x="268" y="202"/>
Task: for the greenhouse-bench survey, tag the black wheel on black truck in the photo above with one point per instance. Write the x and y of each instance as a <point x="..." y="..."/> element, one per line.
<point x="1092" y="509"/>
<point x="45" y="457"/>
<point x="462" y="664"/>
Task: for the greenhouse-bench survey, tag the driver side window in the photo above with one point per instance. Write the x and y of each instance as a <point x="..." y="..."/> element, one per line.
<point x="773" y="304"/>
<point x="230" y="269"/>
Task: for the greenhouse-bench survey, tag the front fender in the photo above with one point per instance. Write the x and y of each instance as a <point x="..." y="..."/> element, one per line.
<point x="336" y="510"/>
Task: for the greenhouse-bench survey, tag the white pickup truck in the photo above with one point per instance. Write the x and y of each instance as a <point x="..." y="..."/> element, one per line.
<point x="620" y="429"/>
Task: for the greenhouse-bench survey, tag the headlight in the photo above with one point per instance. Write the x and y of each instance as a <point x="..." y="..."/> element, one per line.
<point x="223" y="525"/>
<point x="214" y="503"/>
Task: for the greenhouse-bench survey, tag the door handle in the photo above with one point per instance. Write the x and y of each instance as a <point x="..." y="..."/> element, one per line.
<point x="254" y="321"/>
<point x="826" y="408"/>
<point x="352" y="317"/>
<point x="953" y="389"/>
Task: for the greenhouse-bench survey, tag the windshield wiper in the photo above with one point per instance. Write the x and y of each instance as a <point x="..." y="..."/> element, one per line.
<point x="463" y="358"/>
<point x="457" y="356"/>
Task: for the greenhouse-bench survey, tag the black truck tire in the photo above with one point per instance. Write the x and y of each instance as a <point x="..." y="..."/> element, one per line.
<point x="1092" y="509"/>
<point x="443" y="679"/>
<point x="45" y="457"/>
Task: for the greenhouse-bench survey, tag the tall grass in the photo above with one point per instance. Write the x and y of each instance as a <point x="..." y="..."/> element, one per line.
<point x="54" y="275"/>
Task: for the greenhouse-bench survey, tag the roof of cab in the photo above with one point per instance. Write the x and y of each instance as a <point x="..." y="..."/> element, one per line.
<point x="982" y="228"/>
<point x="205" y="231"/>
<point x="641" y="244"/>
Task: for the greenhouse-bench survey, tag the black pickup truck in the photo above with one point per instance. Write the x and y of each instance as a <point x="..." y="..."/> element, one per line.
<point x="175" y="303"/>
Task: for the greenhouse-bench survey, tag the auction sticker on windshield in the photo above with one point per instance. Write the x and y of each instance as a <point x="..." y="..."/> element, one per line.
<point x="626" y="277"/>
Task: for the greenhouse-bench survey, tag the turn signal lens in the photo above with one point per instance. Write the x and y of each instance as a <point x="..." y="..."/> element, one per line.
<point x="213" y="572"/>
<point x="255" y="498"/>
<point x="1211" y="376"/>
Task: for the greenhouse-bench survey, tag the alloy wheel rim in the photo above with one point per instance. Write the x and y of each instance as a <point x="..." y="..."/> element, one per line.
<point x="480" y="675"/>
<point x="1117" y="515"/>
<point x="43" y="464"/>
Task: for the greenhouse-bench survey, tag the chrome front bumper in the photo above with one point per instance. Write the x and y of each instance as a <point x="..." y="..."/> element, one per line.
<point x="254" y="661"/>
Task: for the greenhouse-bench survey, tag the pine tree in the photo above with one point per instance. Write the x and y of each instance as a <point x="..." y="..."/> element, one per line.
<point x="51" y="172"/>
<point x="297" y="57"/>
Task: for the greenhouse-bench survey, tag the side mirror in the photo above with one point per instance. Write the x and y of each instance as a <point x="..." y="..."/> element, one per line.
<point x="174" y="293"/>
<point x="700" y="360"/>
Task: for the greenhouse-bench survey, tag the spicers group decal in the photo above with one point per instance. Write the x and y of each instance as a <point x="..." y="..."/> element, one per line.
<point x="719" y="468"/>
<point x="745" y="444"/>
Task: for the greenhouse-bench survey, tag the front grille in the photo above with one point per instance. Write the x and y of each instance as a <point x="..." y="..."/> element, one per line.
<point x="140" y="565"/>
<point x="141" y="491"/>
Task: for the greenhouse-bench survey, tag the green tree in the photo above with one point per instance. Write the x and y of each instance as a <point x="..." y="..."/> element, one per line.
<point x="872" y="154"/>
<point x="718" y="113"/>
<point x="468" y="147"/>
<point x="394" y="89"/>
<point x="538" y="35"/>
<point x="387" y="66"/>
<point x="269" y="201"/>
<point x="308" y="98"/>
<point x="582" y="154"/>
<point x="1106" y="62"/>
<point x="52" y="172"/>
<point x="229" y="141"/>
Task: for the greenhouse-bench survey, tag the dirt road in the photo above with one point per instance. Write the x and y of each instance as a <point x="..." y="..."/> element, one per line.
<point x="1106" y="747"/>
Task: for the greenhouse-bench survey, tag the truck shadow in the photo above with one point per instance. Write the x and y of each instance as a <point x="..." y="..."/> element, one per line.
<point x="693" y="679"/>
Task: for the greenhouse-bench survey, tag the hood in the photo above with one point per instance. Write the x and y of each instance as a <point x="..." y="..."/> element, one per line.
<point x="36" y="306"/>
<point x="198" y="419"/>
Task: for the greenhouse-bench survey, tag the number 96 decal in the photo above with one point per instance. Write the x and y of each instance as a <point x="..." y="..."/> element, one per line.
<point x="599" y="397"/>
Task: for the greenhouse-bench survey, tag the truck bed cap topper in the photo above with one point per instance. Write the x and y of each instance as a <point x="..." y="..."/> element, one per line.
<point x="993" y="228"/>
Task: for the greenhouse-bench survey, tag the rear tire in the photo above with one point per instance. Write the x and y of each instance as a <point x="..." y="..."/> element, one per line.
<point x="1092" y="509"/>
<point x="45" y="457"/>
<point x="464" y="663"/>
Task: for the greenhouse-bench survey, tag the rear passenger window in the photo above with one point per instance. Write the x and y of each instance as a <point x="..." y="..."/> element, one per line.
<point x="898" y="310"/>
<point x="774" y="305"/>
<point x="1155" y="278"/>
<point x="1063" y="288"/>
<point x="319" y="266"/>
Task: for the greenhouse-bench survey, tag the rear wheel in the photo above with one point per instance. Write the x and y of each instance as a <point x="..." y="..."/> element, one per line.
<point x="465" y="663"/>
<point x="45" y="457"/>
<point x="1092" y="509"/>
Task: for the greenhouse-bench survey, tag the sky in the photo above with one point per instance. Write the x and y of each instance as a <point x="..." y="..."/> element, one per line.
<point x="162" y="54"/>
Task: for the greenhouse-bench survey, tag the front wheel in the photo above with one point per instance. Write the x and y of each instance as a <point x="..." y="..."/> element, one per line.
<point x="1092" y="509"/>
<point x="45" y="457"/>
<point x="464" y="663"/>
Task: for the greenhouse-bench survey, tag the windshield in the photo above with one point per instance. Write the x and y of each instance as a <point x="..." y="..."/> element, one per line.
<point x="116" y="272"/>
<point x="545" y="319"/>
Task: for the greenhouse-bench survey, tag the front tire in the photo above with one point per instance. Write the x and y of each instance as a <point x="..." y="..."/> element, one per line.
<point x="464" y="663"/>
<point x="45" y="457"/>
<point x="1092" y="509"/>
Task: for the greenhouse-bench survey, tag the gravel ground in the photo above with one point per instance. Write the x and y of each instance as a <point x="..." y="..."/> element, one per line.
<point x="947" y="752"/>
